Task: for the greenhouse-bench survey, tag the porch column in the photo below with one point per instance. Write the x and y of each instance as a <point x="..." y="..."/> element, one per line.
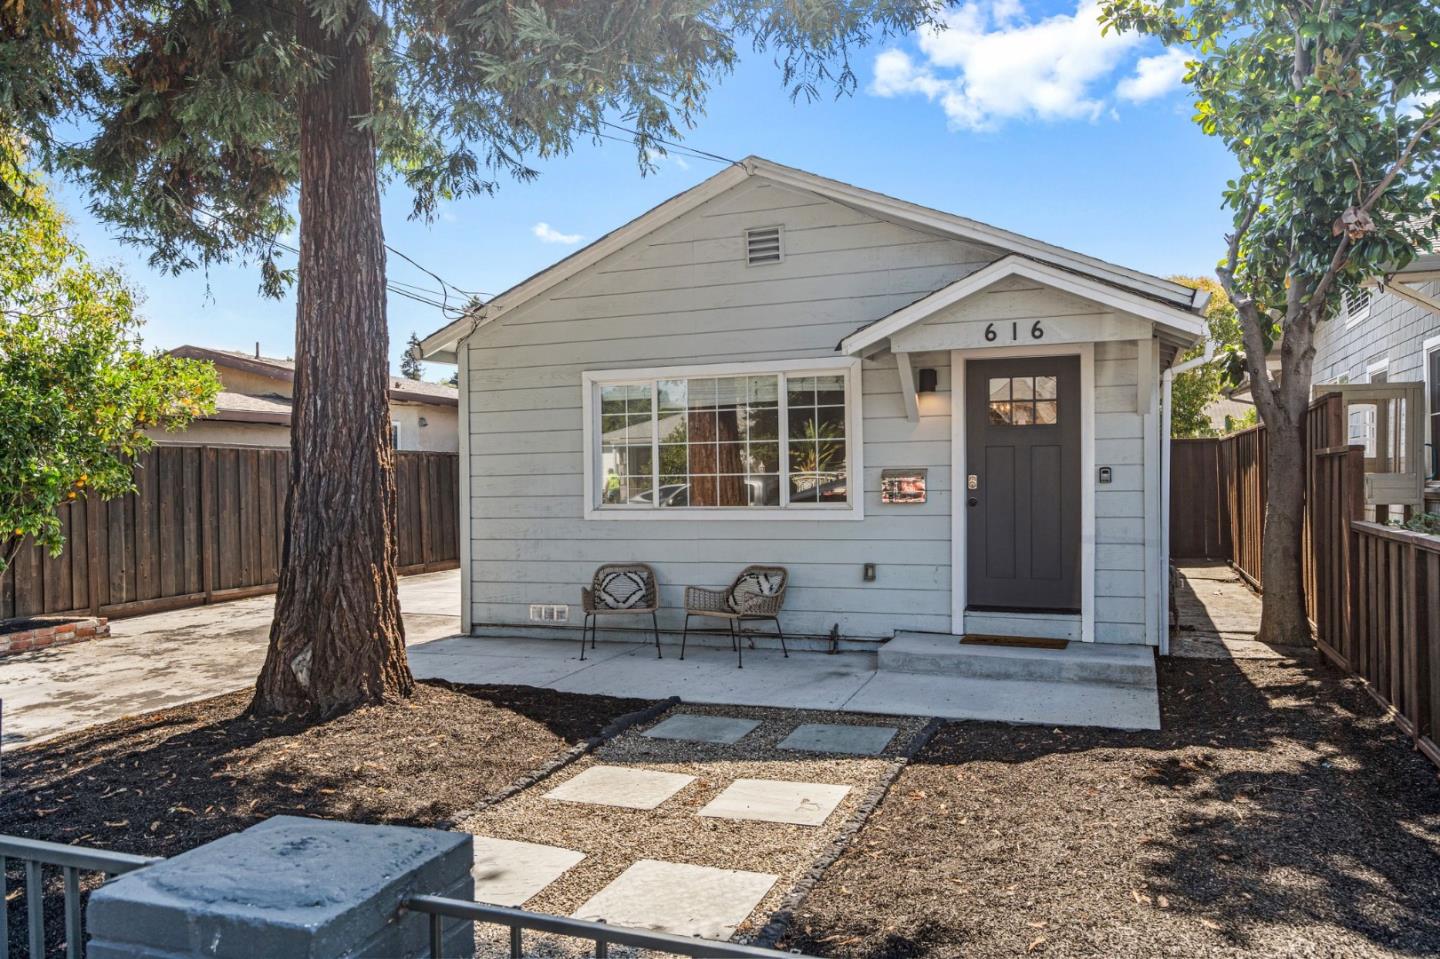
<point x="288" y="887"/>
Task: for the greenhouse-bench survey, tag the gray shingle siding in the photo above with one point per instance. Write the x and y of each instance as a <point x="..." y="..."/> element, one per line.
<point x="1393" y="331"/>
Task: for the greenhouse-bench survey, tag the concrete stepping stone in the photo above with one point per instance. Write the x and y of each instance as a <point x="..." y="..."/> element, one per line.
<point x="679" y="899"/>
<point x="725" y="730"/>
<point x="771" y="800"/>
<point x="509" y="873"/>
<point x="621" y="786"/>
<point x="839" y="738"/>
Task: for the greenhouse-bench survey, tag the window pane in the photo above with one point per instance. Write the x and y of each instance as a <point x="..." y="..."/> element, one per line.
<point x="639" y="428"/>
<point x="800" y="390"/>
<point x="831" y="423"/>
<point x="673" y="428"/>
<point x="637" y="491"/>
<point x="1000" y="389"/>
<point x="802" y="457"/>
<point x="764" y="391"/>
<point x="701" y="393"/>
<point x="1044" y="387"/>
<point x="638" y="398"/>
<point x="731" y="491"/>
<point x="764" y="458"/>
<point x="674" y="491"/>
<point x="999" y="414"/>
<point x="639" y="461"/>
<point x="612" y="427"/>
<point x="802" y="425"/>
<point x="727" y="425"/>
<point x="730" y="458"/>
<point x="702" y="457"/>
<point x="702" y="491"/>
<point x="1046" y="412"/>
<point x="764" y="424"/>
<point x="1023" y="414"/>
<point x="833" y="487"/>
<point x="804" y="488"/>
<point x="672" y="395"/>
<point x="830" y="390"/>
<point x="730" y="391"/>
<point x="829" y="456"/>
<point x="612" y="399"/>
<point x="702" y="426"/>
<point x="765" y="490"/>
<point x="1022" y="388"/>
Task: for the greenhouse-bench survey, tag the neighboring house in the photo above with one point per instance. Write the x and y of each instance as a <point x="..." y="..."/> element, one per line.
<point x="253" y="408"/>
<point x="733" y="377"/>
<point x="1390" y="335"/>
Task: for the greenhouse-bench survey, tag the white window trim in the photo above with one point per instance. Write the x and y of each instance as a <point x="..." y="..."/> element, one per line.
<point x="1426" y="348"/>
<point x="1360" y="317"/>
<point x="592" y="380"/>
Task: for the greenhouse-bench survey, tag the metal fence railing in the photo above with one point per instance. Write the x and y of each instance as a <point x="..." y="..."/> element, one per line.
<point x="518" y="921"/>
<point x="34" y="855"/>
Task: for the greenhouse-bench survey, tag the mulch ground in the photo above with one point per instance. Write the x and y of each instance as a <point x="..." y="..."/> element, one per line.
<point x="168" y="781"/>
<point x="1277" y="814"/>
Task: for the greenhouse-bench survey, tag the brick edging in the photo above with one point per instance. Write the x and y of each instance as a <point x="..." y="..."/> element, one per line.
<point x="784" y="915"/>
<point x="57" y="634"/>
<point x="544" y="771"/>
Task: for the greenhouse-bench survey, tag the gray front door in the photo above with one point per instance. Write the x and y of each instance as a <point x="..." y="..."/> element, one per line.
<point x="1022" y="483"/>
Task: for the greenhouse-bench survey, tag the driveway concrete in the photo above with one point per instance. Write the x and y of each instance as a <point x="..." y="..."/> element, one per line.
<point x="150" y="662"/>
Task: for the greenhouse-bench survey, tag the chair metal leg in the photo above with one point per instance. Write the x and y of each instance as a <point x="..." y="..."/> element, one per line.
<point x="781" y="633"/>
<point x="655" y="625"/>
<point x="594" y="628"/>
<point x="584" y="630"/>
<point x="735" y="642"/>
<point x="685" y="636"/>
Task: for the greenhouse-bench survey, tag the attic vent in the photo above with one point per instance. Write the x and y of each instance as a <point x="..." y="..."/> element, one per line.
<point x="762" y="245"/>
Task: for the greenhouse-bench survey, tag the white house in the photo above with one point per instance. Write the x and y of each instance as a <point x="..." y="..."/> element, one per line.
<point x="935" y="424"/>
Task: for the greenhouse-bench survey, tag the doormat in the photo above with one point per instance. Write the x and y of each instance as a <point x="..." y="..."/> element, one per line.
<point x="1028" y="642"/>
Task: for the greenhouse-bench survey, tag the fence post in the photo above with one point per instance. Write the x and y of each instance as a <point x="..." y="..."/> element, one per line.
<point x="207" y="522"/>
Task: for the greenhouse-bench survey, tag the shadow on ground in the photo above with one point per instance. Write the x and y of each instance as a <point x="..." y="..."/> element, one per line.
<point x="1277" y="812"/>
<point x="168" y="781"/>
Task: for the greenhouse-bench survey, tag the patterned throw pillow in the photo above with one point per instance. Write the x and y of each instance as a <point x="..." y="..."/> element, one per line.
<point x="752" y="586"/>
<point x="621" y="590"/>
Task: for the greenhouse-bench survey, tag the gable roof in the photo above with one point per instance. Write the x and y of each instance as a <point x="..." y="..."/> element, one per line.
<point x="401" y="389"/>
<point x="442" y="343"/>
<point x="1182" y="322"/>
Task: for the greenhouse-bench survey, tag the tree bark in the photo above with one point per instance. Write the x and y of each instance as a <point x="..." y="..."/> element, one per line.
<point x="337" y="640"/>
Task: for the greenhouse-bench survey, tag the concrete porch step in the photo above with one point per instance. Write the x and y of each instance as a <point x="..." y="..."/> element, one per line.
<point x="936" y="653"/>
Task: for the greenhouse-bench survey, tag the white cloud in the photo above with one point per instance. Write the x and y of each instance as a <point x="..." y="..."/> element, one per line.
<point x="548" y="234"/>
<point x="992" y="63"/>
<point x="659" y="159"/>
<point x="1154" y="76"/>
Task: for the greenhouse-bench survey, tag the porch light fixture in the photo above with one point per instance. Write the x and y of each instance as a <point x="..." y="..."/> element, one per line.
<point x="929" y="379"/>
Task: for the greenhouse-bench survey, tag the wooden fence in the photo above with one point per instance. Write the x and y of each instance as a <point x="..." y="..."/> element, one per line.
<point x="1372" y="591"/>
<point x="206" y="524"/>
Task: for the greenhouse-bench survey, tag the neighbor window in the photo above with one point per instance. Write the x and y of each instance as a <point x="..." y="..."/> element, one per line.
<point x="771" y="438"/>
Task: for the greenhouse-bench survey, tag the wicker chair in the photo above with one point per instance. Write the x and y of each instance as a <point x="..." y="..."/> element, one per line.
<point x="757" y="594"/>
<point x="620" y="588"/>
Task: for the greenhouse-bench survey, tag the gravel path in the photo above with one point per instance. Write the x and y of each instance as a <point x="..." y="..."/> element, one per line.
<point x="1277" y="814"/>
<point x="615" y="838"/>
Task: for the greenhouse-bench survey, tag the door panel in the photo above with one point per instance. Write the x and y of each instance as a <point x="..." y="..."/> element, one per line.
<point x="1022" y="437"/>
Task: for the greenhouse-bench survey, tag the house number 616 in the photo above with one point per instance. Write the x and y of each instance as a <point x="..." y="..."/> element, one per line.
<point x="1037" y="332"/>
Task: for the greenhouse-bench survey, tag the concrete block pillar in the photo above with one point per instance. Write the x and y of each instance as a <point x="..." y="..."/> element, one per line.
<point x="288" y="887"/>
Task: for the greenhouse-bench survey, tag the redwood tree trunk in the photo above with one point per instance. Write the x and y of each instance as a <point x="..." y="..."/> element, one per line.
<point x="337" y="640"/>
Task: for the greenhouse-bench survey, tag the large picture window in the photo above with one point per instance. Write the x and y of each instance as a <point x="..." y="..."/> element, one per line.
<point x="759" y="439"/>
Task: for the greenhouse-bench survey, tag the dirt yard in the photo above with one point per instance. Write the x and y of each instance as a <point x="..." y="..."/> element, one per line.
<point x="1277" y="814"/>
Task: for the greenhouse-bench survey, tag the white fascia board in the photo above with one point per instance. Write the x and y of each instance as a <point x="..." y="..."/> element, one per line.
<point x="896" y="209"/>
<point x="1181" y="321"/>
<point x="445" y="338"/>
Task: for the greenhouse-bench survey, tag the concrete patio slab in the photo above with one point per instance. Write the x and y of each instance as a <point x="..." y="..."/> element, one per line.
<point x="807" y="680"/>
<point x="679" y="899"/>
<point x="621" y="786"/>
<point x="725" y="730"/>
<point x="770" y="800"/>
<point x="508" y="873"/>
<point x="839" y="738"/>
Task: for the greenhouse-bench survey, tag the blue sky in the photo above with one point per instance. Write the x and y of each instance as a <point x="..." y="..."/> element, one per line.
<point x="1020" y="115"/>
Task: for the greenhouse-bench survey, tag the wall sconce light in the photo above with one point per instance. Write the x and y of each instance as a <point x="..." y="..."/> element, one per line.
<point x="423" y="422"/>
<point x="929" y="380"/>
